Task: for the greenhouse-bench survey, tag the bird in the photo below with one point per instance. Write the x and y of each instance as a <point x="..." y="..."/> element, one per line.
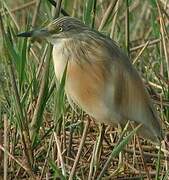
<point x="100" y="77"/>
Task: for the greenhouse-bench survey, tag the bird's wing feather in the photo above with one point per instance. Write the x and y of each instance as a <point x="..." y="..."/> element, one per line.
<point x="129" y="96"/>
<point x="111" y="83"/>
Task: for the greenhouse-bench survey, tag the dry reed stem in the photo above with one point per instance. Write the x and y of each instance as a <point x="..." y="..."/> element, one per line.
<point x="107" y="14"/>
<point x="58" y="144"/>
<point x="36" y="11"/>
<point x="163" y="30"/>
<point x="46" y="158"/>
<point x="140" y="53"/>
<point x="21" y="7"/>
<point x="12" y="157"/>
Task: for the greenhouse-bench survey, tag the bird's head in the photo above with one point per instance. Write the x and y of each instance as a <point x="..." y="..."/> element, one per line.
<point x="63" y="27"/>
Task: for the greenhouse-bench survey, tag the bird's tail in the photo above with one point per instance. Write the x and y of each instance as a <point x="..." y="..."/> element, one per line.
<point x="152" y="131"/>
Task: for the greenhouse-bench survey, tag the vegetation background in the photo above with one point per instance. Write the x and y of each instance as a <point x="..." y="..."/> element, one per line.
<point x="41" y="137"/>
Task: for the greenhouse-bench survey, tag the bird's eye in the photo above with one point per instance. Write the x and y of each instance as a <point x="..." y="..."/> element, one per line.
<point x="60" y="29"/>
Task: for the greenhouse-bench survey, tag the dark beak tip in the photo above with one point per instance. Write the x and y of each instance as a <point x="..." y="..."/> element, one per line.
<point x="24" y="34"/>
<point x="19" y="35"/>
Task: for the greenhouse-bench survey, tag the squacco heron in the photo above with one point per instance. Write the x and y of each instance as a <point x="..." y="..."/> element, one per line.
<point x="100" y="77"/>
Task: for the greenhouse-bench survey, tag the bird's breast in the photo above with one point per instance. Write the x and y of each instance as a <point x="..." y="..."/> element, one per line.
<point x="84" y="81"/>
<point x="60" y="59"/>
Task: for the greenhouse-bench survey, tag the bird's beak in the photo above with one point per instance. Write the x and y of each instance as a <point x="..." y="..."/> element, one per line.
<point x="39" y="33"/>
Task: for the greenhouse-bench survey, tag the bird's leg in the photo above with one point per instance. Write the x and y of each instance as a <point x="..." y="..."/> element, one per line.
<point x="165" y="146"/>
<point x="120" y="163"/>
<point x="142" y="155"/>
<point x="99" y="143"/>
<point x="84" y="135"/>
<point x="100" y="140"/>
<point x="166" y="141"/>
<point x="95" y="159"/>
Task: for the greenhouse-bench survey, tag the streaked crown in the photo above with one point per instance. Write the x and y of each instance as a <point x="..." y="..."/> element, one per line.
<point x="66" y="24"/>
